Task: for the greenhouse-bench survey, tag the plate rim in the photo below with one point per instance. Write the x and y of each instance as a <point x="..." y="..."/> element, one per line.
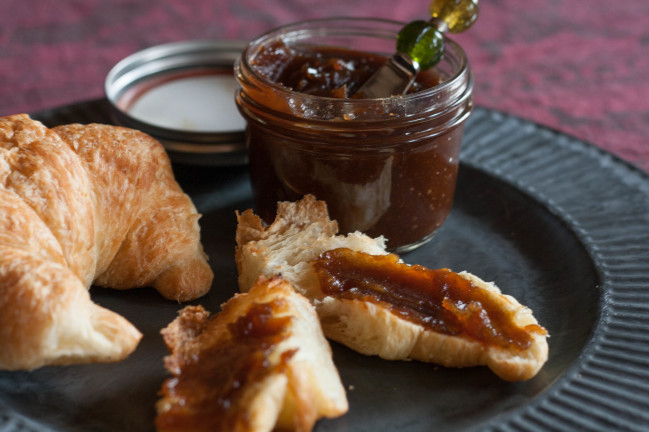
<point x="559" y="407"/>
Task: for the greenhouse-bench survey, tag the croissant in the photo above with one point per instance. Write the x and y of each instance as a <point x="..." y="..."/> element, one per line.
<point x="304" y="247"/>
<point x="260" y="364"/>
<point x="82" y="205"/>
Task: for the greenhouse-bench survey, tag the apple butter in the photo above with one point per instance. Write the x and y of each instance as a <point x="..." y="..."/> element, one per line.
<point x="209" y="383"/>
<point x="383" y="166"/>
<point x="325" y="71"/>
<point x="439" y="300"/>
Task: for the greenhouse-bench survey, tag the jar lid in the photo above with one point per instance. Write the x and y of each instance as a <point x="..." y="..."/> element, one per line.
<point x="182" y="93"/>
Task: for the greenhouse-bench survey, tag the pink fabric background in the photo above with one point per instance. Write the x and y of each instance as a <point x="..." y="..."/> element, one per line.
<point x="581" y="67"/>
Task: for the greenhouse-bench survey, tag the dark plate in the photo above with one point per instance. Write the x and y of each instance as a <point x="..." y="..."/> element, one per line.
<point x="557" y="223"/>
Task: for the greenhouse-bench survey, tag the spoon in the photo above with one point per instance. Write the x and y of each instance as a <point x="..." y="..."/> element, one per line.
<point x="420" y="46"/>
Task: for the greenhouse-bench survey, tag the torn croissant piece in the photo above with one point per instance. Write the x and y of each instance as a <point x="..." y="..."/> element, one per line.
<point x="261" y="364"/>
<point x="83" y="204"/>
<point x="377" y="305"/>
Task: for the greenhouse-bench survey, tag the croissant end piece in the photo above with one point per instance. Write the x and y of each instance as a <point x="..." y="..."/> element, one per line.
<point x="47" y="317"/>
<point x="260" y="364"/>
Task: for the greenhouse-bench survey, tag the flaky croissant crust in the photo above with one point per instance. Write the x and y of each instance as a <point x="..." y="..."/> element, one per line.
<point x="84" y="204"/>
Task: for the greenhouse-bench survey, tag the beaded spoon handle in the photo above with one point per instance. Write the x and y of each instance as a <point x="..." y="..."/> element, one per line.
<point x="420" y="46"/>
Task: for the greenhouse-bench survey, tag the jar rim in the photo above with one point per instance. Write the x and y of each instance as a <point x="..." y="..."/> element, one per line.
<point x="328" y="26"/>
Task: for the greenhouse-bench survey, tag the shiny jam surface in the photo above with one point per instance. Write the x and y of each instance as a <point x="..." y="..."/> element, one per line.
<point x="213" y="380"/>
<point x="440" y="300"/>
<point x="393" y="177"/>
<point x="324" y="71"/>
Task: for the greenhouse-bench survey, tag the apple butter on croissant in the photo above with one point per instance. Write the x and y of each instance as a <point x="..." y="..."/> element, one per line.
<point x="210" y="381"/>
<point x="375" y="305"/>
<point x="260" y="364"/>
<point x="439" y="299"/>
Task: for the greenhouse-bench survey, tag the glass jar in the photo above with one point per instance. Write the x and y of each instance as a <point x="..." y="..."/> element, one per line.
<point x="384" y="166"/>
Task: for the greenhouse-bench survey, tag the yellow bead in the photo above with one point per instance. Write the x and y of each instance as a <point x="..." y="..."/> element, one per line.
<point x="458" y="15"/>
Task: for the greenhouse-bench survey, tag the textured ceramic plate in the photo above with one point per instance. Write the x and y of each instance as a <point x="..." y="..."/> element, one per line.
<point x="554" y="221"/>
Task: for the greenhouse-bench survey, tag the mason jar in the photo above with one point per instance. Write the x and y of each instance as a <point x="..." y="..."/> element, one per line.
<point x="385" y="166"/>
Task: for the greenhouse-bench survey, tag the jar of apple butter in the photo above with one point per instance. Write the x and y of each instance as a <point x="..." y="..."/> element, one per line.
<point x="384" y="166"/>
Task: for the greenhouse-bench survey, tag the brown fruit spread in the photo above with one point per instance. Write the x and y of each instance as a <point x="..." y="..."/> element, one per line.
<point x="393" y="177"/>
<point x="325" y="71"/>
<point x="207" y="385"/>
<point x="439" y="300"/>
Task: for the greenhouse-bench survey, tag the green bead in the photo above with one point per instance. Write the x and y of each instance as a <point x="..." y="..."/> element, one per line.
<point x="422" y="42"/>
<point x="458" y="15"/>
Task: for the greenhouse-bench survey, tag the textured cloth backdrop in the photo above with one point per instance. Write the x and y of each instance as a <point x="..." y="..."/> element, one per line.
<point x="581" y="67"/>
